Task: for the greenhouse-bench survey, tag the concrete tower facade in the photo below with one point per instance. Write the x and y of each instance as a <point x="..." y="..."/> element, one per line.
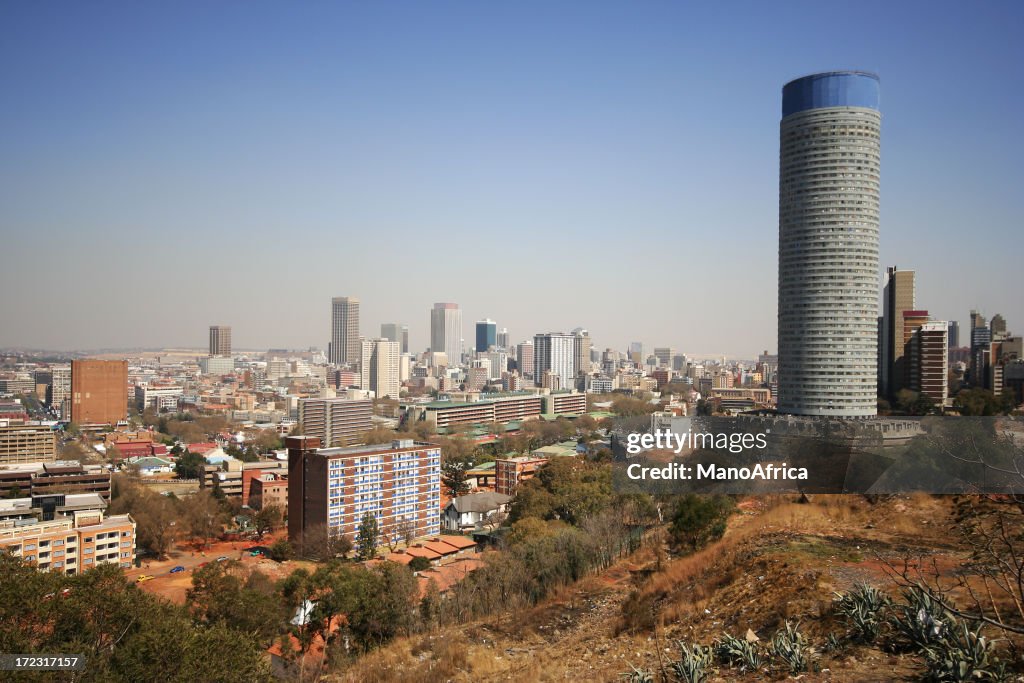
<point x="345" y="347"/>
<point x="829" y="165"/>
<point x="220" y="340"/>
<point x="446" y="331"/>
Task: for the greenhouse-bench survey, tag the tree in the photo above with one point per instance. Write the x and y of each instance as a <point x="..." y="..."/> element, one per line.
<point x="914" y="403"/>
<point x="266" y="519"/>
<point x="123" y="633"/>
<point x="419" y="564"/>
<point x="219" y="596"/>
<point x="156" y="517"/>
<point x="190" y="465"/>
<point x="368" y="537"/>
<point x="281" y="550"/>
<point x="205" y="517"/>
<point x="321" y="543"/>
<point x="454" y="479"/>
<point x="268" y="440"/>
<point x="379" y="435"/>
<point x="73" y="450"/>
<point x="697" y="520"/>
<point x="982" y="402"/>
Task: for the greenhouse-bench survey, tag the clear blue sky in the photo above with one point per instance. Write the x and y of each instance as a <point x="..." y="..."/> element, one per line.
<point x="614" y="166"/>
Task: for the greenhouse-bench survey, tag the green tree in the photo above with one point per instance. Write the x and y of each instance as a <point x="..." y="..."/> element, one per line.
<point x="419" y="564"/>
<point x="698" y="520"/>
<point x="220" y="596"/>
<point x="367" y="538"/>
<point x="266" y="519"/>
<point x="454" y="479"/>
<point x="281" y="550"/>
<point x="190" y="465"/>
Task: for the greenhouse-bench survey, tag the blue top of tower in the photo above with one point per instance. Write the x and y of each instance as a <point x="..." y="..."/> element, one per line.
<point x="830" y="89"/>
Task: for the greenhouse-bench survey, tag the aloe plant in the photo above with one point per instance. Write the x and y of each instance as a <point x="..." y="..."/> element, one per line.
<point x="790" y="646"/>
<point x="694" y="664"/>
<point x="865" y="609"/>
<point x="739" y="652"/>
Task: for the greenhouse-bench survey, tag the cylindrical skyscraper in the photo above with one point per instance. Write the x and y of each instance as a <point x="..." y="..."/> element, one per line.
<point x="828" y="245"/>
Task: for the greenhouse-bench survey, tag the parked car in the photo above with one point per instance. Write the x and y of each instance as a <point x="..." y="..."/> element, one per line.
<point x="177" y="569"/>
<point x="222" y="558"/>
<point x="144" y="578"/>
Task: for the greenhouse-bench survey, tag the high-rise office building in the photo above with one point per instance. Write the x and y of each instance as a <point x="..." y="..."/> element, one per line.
<point x="998" y="327"/>
<point x="905" y="366"/>
<point x="344" y="346"/>
<point x="220" y="340"/>
<point x="396" y="332"/>
<point x="828" y="245"/>
<point x="336" y="421"/>
<point x="524" y="358"/>
<point x="555" y="353"/>
<point x="446" y="331"/>
<point x="503" y="340"/>
<point x="664" y="356"/>
<point x="898" y="296"/>
<point x="929" y="360"/>
<point x="99" y="391"/>
<point x="60" y="387"/>
<point x="636" y="352"/>
<point x="981" y="351"/>
<point x="486" y="334"/>
<point x="379" y="366"/>
<point x="581" y="356"/>
<point x="954" y="334"/>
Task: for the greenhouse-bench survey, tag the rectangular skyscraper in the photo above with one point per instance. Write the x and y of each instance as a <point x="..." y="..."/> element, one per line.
<point x="897" y="297"/>
<point x="486" y="334"/>
<point x="828" y="245"/>
<point x="336" y="421"/>
<point x="396" y="332"/>
<point x="99" y="391"/>
<point x="344" y="330"/>
<point x="446" y="331"/>
<point x="378" y="365"/>
<point x="554" y="355"/>
<point x="220" y="340"/>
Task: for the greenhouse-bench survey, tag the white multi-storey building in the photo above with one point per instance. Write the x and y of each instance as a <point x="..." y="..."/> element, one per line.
<point x="828" y="245"/>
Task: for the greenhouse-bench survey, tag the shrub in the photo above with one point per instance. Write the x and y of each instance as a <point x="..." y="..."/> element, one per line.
<point x="698" y="520"/>
<point x="921" y="621"/>
<point x="789" y="645"/>
<point x="864" y="608"/>
<point x="693" y="665"/>
<point x="739" y="652"/>
<point x="419" y="564"/>
<point x="280" y="550"/>
<point x="638" y="675"/>
<point x="963" y="655"/>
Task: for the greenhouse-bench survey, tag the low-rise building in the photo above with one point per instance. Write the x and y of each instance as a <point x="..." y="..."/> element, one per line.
<point x="268" y="490"/>
<point x="25" y="443"/>
<point x="474" y="510"/>
<point x="511" y="472"/>
<point x="71" y="543"/>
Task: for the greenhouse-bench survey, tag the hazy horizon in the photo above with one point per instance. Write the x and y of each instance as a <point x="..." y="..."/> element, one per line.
<point x="606" y="166"/>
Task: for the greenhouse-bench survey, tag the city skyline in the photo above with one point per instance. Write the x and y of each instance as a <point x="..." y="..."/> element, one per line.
<point x="620" y="142"/>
